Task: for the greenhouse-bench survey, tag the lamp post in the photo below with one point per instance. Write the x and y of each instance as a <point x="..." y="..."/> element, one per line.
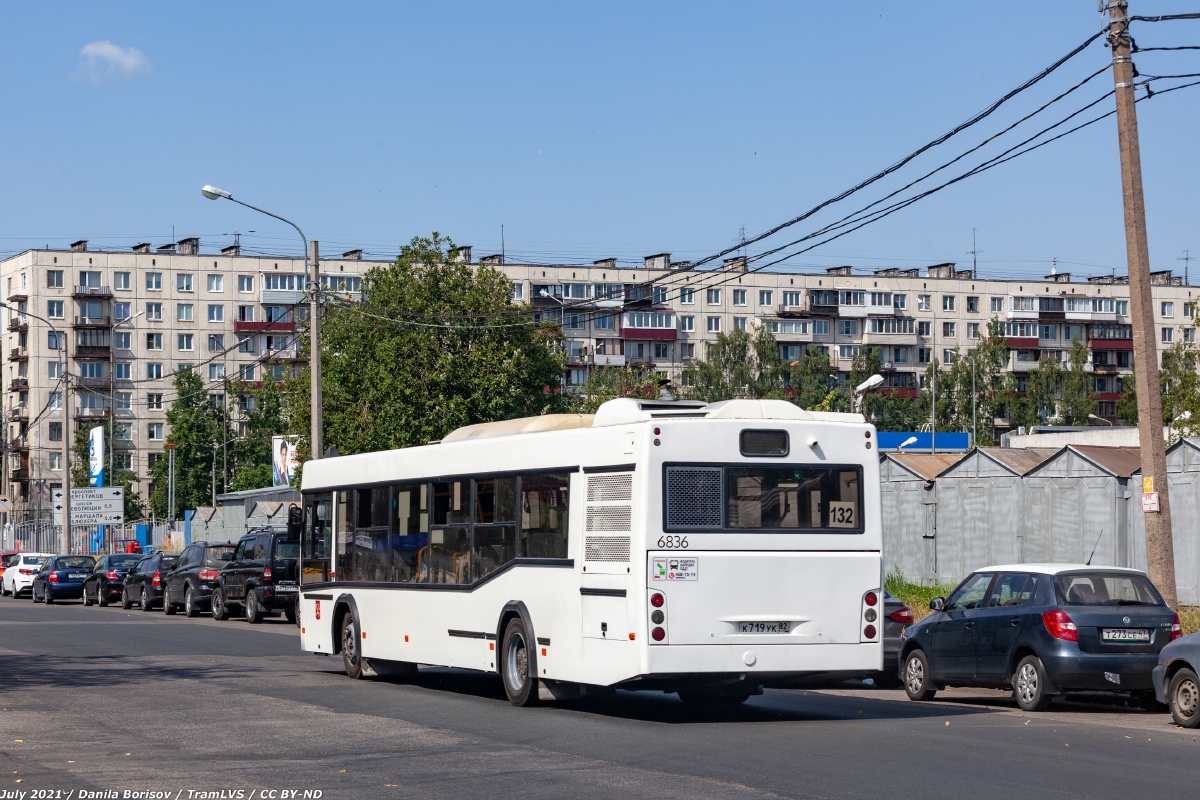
<point x="974" y="405"/>
<point x="906" y="443"/>
<point x="1100" y="419"/>
<point x="863" y="388"/>
<point x="562" y="305"/>
<point x="311" y="284"/>
<point x="64" y="539"/>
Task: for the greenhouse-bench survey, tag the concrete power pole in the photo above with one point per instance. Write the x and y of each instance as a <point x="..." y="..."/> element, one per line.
<point x="1160" y="551"/>
<point x="314" y="354"/>
<point x="64" y="539"/>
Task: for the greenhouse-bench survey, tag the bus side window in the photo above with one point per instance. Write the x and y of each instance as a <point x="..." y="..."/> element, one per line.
<point x="372" y="555"/>
<point x="410" y="533"/>
<point x="544" y="513"/>
<point x="494" y="534"/>
<point x="344" y="539"/>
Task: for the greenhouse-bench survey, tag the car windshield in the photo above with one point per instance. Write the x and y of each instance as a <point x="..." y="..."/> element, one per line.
<point x="75" y="562"/>
<point x="124" y="560"/>
<point x="286" y="549"/>
<point x="1105" y="589"/>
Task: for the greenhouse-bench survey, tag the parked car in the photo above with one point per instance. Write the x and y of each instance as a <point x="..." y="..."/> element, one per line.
<point x="1175" y="680"/>
<point x="61" y="578"/>
<point x="190" y="583"/>
<point x="262" y="577"/>
<point x="107" y="580"/>
<point x="896" y="617"/>
<point x="8" y="558"/>
<point x="1041" y="630"/>
<point x="144" y="584"/>
<point x="18" y="576"/>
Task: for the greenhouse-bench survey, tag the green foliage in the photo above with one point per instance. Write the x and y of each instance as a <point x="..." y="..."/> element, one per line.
<point x="973" y="390"/>
<point x="915" y="595"/>
<point x="609" y="383"/>
<point x="414" y="365"/>
<point x="1127" y="405"/>
<point x="737" y="364"/>
<point x="197" y="429"/>
<point x="1042" y="389"/>
<point x="1077" y="397"/>
<point x="813" y="380"/>
<point x="125" y="478"/>
<point x="262" y="410"/>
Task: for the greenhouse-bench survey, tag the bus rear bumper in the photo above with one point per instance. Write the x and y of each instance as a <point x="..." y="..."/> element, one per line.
<point x="774" y="660"/>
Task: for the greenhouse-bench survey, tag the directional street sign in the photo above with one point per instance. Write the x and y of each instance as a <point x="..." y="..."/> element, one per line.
<point x="5" y="504"/>
<point x="99" y="505"/>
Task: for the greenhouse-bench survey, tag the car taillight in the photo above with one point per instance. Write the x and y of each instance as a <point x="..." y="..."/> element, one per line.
<point x="208" y="575"/>
<point x="267" y="574"/>
<point x="1176" y="630"/>
<point x="156" y="580"/>
<point x="28" y="571"/>
<point x="53" y="577"/>
<point x="112" y="576"/>
<point x="1060" y="626"/>
<point x="903" y="616"/>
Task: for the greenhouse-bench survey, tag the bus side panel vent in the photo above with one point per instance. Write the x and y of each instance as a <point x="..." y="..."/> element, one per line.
<point x="606" y="548"/>
<point x="610" y="488"/>
<point x="609" y="518"/>
<point x="694" y="497"/>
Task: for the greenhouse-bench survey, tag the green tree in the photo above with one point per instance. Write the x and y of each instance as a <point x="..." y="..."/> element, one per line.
<point x="1042" y="388"/>
<point x="1077" y="397"/>
<point x="1127" y="405"/>
<point x="737" y="364"/>
<point x="812" y="380"/>
<point x="609" y="383"/>
<point x="426" y="353"/>
<point x="127" y="479"/>
<point x="197" y="428"/>
<point x="261" y="408"/>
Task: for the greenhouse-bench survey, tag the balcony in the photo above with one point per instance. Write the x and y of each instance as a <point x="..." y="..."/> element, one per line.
<point x="18" y="297"/>
<point x="92" y="291"/>
<point x="286" y="354"/>
<point x="90" y="413"/>
<point x="92" y="351"/>
<point x="281" y="297"/>
<point x="18" y="414"/>
<point x="794" y="312"/>
<point x="19" y="385"/>
<point x="93" y="322"/>
<point x="18" y="354"/>
<point x="18" y="444"/>
<point x="648" y="334"/>
<point x="609" y="360"/>
<point x="241" y="326"/>
<point x="19" y="322"/>
<point x="92" y="383"/>
<point x="822" y="309"/>
<point x="19" y="474"/>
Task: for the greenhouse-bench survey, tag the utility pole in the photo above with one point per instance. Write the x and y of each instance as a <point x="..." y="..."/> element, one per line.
<point x="64" y="539"/>
<point x="974" y="251"/>
<point x="314" y="353"/>
<point x="1186" y="260"/>
<point x="1160" y="551"/>
<point x="171" y="484"/>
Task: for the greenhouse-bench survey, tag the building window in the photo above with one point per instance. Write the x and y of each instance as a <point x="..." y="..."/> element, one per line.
<point x="791" y="299"/>
<point x="183" y="282"/>
<point x="847" y="327"/>
<point x="123" y="371"/>
<point x="55" y="401"/>
<point x="183" y="312"/>
<point x="739" y="323"/>
<point x="899" y="300"/>
<point x="1167" y="333"/>
<point x="54" y="370"/>
<point x="120" y="311"/>
<point x="277" y="314"/>
<point x="1100" y="384"/>
<point x="216" y="283"/>
<point x="182" y="366"/>
<point x="947" y="302"/>
<point x="151" y="460"/>
<point x="154" y="371"/>
<point x="154" y="431"/>
<point x="246" y="284"/>
<point x="278" y="372"/>
<point x="687" y="351"/>
<point x="852" y="298"/>
<point x="245" y="314"/>
<point x="154" y="281"/>
<point x="604" y="322"/>
<point x="1047" y="333"/>
<point x="246" y="372"/>
<point x="923" y="355"/>
<point x="948" y="356"/>
<point x="122" y="431"/>
<point x="973" y="305"/>
<point x="1123" y="307"/>
<point x="687" y="296"/>
<point x="121" y="280"/>
<point x="948" y="330"/>
<point x="1189" y="335"/>
<point x="54" y="309"/>
<point x="154" y="341"/>
<point x="847" y="352"/>
<point x="216" y="313"/>
<point x="154" y="312"/>
<point x="820" y="327"/>
<point x="900" y="355"/>
<point x="55" y="431"/>
<point x="56" y="461"/>
<point x="184" y="341"/>
<point x="790" y="352"/>
<point x="52" y="339"/>
<point x="924" y="328"/>
<point x="574" y="322"/>
<point x="687" y="323"/>
<point x="714" y="324"/>
<point x="764" y="297"/>
<point x="216" y="372"/>
<point x="1167" y="308"/>
<point x="245" y="343"/>
<point x="972" y="330"/>
<point x="660" y="295"/>
<point x="154" y="402"/>
<point x="739" y="297"/>
<point x="997" y="305"/>
<point x="1189" y="310"/>
<point x="662" y="350"/>
<point x="216" y="342"/>
<point x="123" y="340"/>
<point x="54" y="278"/>
<point x="91" y="369"/>
<point x="1073" y="332"/>
<point x="924" y="302"/>
<point x="713" y="297"/>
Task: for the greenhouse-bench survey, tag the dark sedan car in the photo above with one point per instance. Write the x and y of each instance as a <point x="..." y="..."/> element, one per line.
<point x="107" y="580"/>
<point x="1176" y="682"/>
<point x="896" y="618"/>
<point x="144" y="583"/>
<point x="61" y="578"/>
<point x="1041" y="630"/>
<point x="191" y="582"/>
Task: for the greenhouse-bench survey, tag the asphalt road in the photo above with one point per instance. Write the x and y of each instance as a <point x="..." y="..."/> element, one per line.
<point x="105" y="699"/>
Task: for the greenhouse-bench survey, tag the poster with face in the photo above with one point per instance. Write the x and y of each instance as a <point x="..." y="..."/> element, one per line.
<point x="283" y="460"/>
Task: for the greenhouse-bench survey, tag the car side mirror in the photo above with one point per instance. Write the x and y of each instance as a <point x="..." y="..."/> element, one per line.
<point x="937" y="604"/>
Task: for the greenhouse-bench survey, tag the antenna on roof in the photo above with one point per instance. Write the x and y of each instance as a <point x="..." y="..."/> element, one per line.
<point x="1098" y="538"/>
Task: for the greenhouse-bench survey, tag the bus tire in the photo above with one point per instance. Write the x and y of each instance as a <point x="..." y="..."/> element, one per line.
<point x="352" y="660"/>
<point x="518" y="665"/>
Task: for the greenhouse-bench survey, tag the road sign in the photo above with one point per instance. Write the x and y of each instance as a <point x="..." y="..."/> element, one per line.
<point x="91" y="505"/>
<point x="5" y="504"/>
<point x="1149" y="502"/>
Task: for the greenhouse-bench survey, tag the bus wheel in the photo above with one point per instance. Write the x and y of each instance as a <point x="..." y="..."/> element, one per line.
<point x="518" y="665"/>
<point x="351" y="648"/>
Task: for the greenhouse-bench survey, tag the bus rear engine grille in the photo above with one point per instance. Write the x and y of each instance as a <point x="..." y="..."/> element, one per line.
<point x="606" y="548"/>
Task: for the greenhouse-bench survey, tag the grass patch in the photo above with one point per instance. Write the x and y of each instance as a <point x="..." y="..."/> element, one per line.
<point x="914" y="595"/>
<point x="1189" y="619"/>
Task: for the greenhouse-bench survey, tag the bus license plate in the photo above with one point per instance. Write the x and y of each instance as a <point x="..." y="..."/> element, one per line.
<point x="1125" y="635"/>
<point x="764" y="627"/>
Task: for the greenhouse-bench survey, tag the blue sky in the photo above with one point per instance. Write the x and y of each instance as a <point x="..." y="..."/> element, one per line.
<point x="587" y="130"/>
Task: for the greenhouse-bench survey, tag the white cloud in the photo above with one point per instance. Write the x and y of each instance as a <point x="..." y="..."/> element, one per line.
<point x="104" y="61"/>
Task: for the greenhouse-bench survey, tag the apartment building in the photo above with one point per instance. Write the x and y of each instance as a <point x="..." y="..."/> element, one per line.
<point x="131" y="319"/>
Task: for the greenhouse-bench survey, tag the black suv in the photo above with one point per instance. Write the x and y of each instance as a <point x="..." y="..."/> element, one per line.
<point x="144" y="583"/>
<point x="191" y="582"/>
<point x="262" y="577"/>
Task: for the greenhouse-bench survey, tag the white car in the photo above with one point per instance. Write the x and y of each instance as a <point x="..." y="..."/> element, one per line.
<point x="19" y="577"/>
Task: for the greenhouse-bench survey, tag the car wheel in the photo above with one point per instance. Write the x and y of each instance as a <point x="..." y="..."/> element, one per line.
<point x="254" y="610"/>
<point x="146" y="603"/>
<point x="126" y="601"/>
<point x="87" y="601"/>
<point x="219" y="609"/>
<point x="1029" y="685"/>
<point x="168" y="605"/>
<point x="1184" y="698"/>
<point x="189" y="603"/>
<point x="918" y="682"/>
<point x="351" y="647"/>
<point x="47" y="598"/>
<point x="101" y="596"/>
<point x="518" y="665"/>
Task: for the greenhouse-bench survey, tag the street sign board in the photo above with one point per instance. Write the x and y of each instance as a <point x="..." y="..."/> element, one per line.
<point x="1149" y="502"/>
<point x="91" y="505"/>
<point x="5" y="504"/>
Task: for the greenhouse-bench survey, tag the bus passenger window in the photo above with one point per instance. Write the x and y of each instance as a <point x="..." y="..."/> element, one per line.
<point x="410" y="533"/>
<point x="450" y="554"/>
<point x="344" y="541"/>
<point x="495" y="500"/>
<point x="544" y="512"/>
<point x="372" y="555"/>
<point x="451" y="502"/>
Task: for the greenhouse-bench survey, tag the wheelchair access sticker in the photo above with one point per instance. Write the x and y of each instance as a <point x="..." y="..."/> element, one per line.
<point x="676" y="569"/>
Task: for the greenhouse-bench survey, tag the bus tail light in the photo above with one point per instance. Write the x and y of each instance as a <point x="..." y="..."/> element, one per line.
<point x="870" y="615"/>
<point x="658" y="618"/>
<point x="658" y="634"/>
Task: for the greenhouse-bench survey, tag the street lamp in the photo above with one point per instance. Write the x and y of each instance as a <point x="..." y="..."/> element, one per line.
<point x="862" y="388"/>
<point x="974" y="404"/>
<point x="1100" y="419"/>
<point x="311" y="267"/>
<point x="906" y="443"/>
<point x="64" y="539"/>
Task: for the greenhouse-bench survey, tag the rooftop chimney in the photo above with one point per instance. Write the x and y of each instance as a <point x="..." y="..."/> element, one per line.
<point x="232" y="250"/>
<point x="189" y="246"/>
<point x="888" y="271"/>
<point x="80" y="246"/>
<point x="657" y="261"/>
<point x="914" y="272"/>
<point x="942" y="270"/>
<point x="461" y="254"/>
<point x="1059" y="277"/>
<point x="845" y="270"/>
<point x="494" y="260"/>
<point x="166" y="248"/>
<point x="352" y="255"/>
<point x="1164" y="277"/>
<point x="735" y="264"/>
<point x="141" y="247"/>
<point x="605" y="263"/>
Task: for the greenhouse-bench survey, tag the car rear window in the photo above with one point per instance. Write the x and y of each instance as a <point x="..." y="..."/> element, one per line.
<point x="33" y="561"/>
<point x="8" y="561"/>
<point x="216" y="553"/>
<point x="75" y="562"/>
<point x="123" y="561"/>
<point x="285" y="549"/>
<point x="1105" y="589"/>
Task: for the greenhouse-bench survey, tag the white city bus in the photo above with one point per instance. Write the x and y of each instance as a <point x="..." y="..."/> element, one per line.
<point x="701" y="549"/>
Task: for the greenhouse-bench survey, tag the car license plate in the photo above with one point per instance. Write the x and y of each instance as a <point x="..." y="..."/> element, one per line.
<point x="764" y="627"/>
<point x="76" y="576"/>
<point x="286" y="587"/>
<point x="1125" y="635"/>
